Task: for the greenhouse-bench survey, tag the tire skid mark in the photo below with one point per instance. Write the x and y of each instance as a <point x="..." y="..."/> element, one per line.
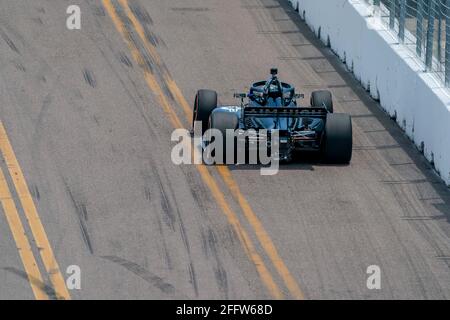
<point x="146" y="21"/>
<point x="165" y="254"/>
<point x="209" y="245"/>
<point x="19" y="66"/>
<point x="150" y="194"/>
<point x="167" y="209"/>
<point x="143" y="273"/>
<point x="125" y="60"/>
<point x="46" y="287"/>
<point x="89" y="78"/>
<point x="9" y="42"/>
<point x="82" y="216"/>
<point x="170" y="194"/>
<point x="34" y="190"/>
<point x="172" y="218"/>
<point x="152" y="61"/>
<point x="193" y="278"/>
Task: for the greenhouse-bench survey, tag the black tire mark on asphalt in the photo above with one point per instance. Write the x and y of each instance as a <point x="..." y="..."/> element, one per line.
<point x="9" y="42"/>
<point x="34" y="190"/>
<point x="166" y="257"/>
<point x="48" y="289"/>
<point x="43" y="113"/>
<point x="141" y="14"/>
<point x="147" y="193"/>
<point x="150" y="122"/>
<point x="209" y="241"/>
<point x="193" y="278"/>
<point x="82" y="215"/>
<point x="125" y="60"/>
<point x="157" y="69"/>
<point x="143" y="273"/>
<point x="183" y="234"/>
<point x="150" y="191"/>
<point x="19" y="66"/>
<point x="146" y="21"/>
<point x="89" y="78"/>
<point x="169" y="216"/>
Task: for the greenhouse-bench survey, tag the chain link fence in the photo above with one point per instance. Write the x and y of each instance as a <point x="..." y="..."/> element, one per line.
<point x="424" y="27"/>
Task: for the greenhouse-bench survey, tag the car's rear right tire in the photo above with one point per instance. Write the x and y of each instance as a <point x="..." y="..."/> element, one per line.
<point x="338" y="140"/>
<point x="322" y="99"/>
<point x="205" y="103"/>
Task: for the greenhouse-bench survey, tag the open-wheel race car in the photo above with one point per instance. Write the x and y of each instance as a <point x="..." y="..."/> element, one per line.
<point x="273" y="105"/>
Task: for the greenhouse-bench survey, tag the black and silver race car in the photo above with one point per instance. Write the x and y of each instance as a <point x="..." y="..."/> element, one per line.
<point x="273" y="105"/>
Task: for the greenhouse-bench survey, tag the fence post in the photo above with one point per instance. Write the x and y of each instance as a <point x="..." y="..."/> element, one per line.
<point x="430" y="36"/>
<point x="439" y="39"/>
<point x="419" y="29"/>
<point x="401" y="21"/>
<point x="447" y="43"/>
<point x="392" y="14"/>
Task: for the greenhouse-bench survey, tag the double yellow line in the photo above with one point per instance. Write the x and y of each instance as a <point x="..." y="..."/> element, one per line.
<point x="261" y="234"/>
<point x="34" y="222"/>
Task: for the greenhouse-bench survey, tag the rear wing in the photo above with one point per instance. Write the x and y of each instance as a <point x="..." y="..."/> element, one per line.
<point x="285" y="112"/>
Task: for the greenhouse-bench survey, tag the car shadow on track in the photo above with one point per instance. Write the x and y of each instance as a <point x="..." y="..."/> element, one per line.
<point x="301" y="162"/>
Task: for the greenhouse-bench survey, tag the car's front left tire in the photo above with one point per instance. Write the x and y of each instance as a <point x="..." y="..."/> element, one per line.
<point x="205" y="103"/>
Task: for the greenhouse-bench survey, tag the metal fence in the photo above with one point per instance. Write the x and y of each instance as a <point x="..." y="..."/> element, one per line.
<point x="424" y="27"/>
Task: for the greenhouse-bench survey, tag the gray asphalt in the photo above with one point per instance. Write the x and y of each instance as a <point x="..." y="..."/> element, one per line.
<point x="94" y="144"/>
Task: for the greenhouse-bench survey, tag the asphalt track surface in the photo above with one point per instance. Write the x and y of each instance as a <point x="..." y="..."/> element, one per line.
<point x="88" y="178"/>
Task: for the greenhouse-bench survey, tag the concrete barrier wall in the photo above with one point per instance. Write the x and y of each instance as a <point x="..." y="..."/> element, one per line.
<point x="390" y="71"/>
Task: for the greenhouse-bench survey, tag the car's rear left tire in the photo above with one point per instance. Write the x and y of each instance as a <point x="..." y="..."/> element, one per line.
<point x="205" y="103"/>
<point x="338" y="140"/>
<point x="223" y="121"/>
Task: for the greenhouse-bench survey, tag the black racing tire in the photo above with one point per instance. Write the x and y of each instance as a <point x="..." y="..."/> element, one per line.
<point x="338" y="139"/>
<point x="205" y="103"/>
<point x="322" y="98"/>
<point x="222" y="121"/>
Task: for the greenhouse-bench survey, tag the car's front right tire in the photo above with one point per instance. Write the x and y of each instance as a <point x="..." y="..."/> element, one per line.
<point x="322" y="99"/>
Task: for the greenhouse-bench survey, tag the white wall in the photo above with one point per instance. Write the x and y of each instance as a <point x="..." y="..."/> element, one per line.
<point x="393" y="73"/>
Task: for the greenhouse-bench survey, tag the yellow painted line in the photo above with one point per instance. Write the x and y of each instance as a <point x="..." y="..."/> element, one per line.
<point x="154" y="54"/>
<point x="204" y="173"/>
<point x="149" y="78"/>
<point x="234" y="221"/>
<point x="140" y="30"/>
<point x="22" y="243"/>
<point x="261" y="234"/>
<point x="32" y="216"/>
<point x="250" y="215"/>
<point x="176" y="92"/>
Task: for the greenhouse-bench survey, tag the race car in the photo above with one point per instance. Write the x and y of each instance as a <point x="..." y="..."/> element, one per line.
<point x="273" y="105"/>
